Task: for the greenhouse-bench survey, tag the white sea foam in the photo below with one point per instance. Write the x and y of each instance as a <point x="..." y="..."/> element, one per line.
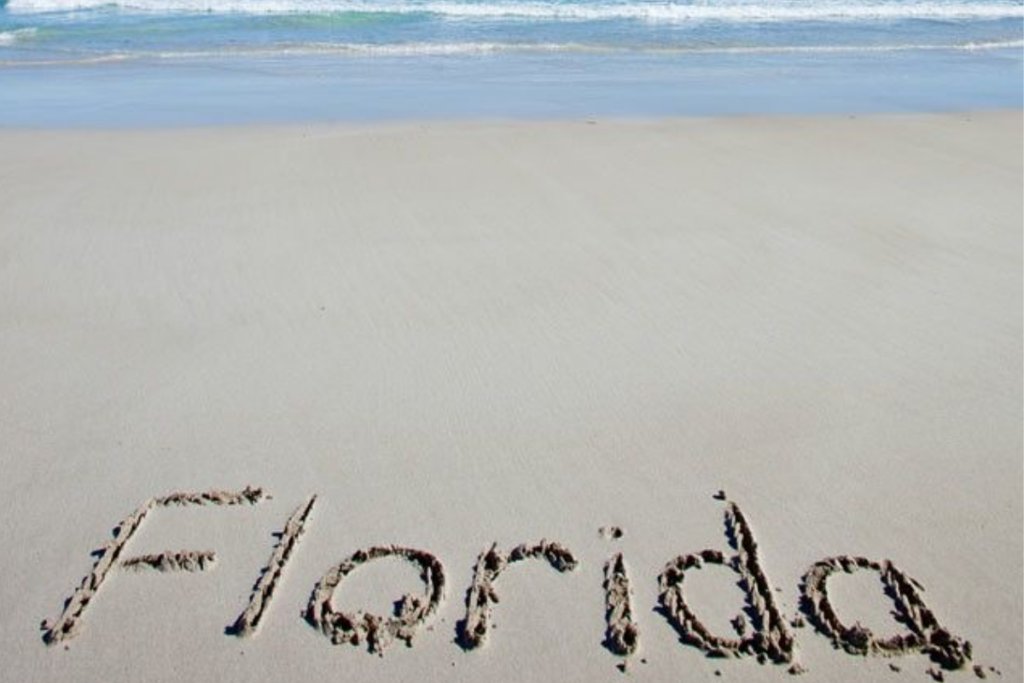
<point x="731" y="11"/>
<point x="853" y="49"/>
<point x="471" y="48"/>
<point x="454" y="49"/>
<point x="378" y="50"/>
<point x="12" y="37"/>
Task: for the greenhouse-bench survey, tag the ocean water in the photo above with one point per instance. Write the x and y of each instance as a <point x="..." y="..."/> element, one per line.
<point x="142" y="62"/>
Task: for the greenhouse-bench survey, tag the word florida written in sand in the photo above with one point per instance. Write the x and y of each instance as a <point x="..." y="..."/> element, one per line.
<point x="763" y="631"/>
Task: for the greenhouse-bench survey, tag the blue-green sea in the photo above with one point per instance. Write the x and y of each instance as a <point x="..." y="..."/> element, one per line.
<point x="194" y="62"/>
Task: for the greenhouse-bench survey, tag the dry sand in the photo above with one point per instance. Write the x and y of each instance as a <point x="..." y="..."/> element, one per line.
<point x="463" y="335"/>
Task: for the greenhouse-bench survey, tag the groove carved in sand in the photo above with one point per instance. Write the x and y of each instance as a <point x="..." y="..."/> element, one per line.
<point x="925" y="633"/>
<point x="475" y="627"/>
<point x="249" y="620"/>
<point x="622" y="635"/>
<point x="69" y="623"/>
<point x="173" y="561"/>
<point x="379" y="632"/>
<point x="248" y="496"/>
<point x="769" y="639"/>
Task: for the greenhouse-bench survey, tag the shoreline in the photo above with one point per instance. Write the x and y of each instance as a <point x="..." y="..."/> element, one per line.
<point x="314" y="89"/>
<point x="461" y="334"/>
<point x="369" y="126"/>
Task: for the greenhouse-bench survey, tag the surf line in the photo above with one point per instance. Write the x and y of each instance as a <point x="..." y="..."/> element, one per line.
<point x="762" y="632"/>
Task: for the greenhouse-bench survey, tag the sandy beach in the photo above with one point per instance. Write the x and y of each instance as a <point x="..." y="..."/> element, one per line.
<point x="459" y="335"/>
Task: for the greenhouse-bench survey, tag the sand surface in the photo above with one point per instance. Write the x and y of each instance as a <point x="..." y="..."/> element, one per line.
<point x="459" y="335"/>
